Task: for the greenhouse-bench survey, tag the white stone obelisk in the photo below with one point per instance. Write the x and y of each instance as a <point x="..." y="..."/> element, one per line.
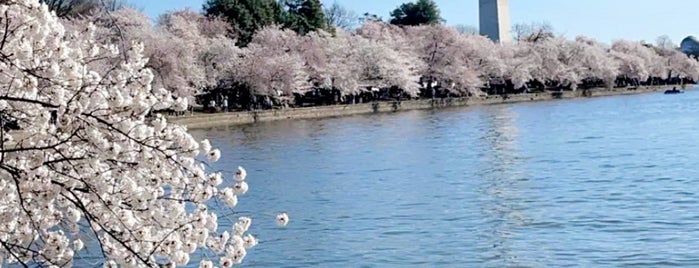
<point x="495" y="20"/>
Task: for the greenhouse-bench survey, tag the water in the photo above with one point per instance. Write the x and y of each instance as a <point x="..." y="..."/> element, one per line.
<point x="602" y="182"/>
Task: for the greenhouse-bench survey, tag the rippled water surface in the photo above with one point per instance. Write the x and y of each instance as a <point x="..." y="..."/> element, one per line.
<point x="590" y="182"/>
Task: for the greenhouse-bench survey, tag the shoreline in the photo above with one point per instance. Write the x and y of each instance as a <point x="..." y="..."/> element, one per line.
<point x="210" y="120"/>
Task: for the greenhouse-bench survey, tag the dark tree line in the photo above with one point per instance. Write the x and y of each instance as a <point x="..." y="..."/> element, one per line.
<point x="248" y="16"/>
<point x="418" y="13"/>
<point x="303" y="16"/>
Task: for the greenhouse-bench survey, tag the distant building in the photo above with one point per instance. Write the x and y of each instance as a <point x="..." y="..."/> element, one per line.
<point x="690" y="46"/>
<point x="495" y="20"/>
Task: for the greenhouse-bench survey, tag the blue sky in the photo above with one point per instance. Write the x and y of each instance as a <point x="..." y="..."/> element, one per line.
<point x="605" y="20"/>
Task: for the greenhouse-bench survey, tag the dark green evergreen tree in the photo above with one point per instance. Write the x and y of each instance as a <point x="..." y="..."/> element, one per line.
<point x="369" y="17"/>
<point x="245" y="16"/>
<point x="304" y="16"/>
<point x="418" y="13"/>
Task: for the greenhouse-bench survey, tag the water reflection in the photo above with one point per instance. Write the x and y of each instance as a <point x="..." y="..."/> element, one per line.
<point x="502" y="184"/>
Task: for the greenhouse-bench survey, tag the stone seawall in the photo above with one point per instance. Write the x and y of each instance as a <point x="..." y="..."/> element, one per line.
<point x="237" y="118"/>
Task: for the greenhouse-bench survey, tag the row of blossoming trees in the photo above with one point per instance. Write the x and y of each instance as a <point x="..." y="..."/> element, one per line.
<point x="192" y="53"/>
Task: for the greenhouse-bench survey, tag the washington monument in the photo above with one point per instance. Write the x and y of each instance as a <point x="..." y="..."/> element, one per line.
<point x="495" y="20"/>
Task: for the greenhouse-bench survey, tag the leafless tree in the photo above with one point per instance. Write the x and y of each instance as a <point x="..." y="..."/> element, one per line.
<point x="532" y="32"/>
<point x="341" y="17"/>
<point x="664" y="42"/>
<point x="466" y="29"/>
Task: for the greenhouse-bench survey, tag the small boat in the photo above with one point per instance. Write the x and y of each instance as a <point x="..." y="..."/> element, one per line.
<point x="674" y="91"/>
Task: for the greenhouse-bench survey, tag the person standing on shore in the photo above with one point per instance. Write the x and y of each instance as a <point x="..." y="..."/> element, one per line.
<point x="212" y="105"/>
<point x="224" y="104"/>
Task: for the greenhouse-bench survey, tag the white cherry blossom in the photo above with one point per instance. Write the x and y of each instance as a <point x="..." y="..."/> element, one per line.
<point x="282" y="219"/>
<point x="240" y="174"/>
<point x="94" y="164"/>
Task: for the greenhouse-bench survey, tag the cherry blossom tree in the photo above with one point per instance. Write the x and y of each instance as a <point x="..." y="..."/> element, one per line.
<point x="435" y="47"/>
<point x="475" y="61"/>
<point x="220" y="61"/>
<point x="595" y="60"/>
<point x="180" y="45"/>
<point x="90" y="166"/>
<point x="383" y="67"/>
<point x="455" y="61"/>
<point x="555" y="64"/>
<point x="343" y="68"/>
<point x="271" y="65"/>
<point x="517" y="63"/>
<point x="331" y="61"/>
<point x="637" y="61"/>
<point x="395" y="47"/>
<point x="680" y="65"/>
<point x="392" y="35"/>
<point x="121" y="27"/>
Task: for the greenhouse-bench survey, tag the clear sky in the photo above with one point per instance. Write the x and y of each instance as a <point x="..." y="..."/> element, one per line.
<point x="605" y="20"/>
